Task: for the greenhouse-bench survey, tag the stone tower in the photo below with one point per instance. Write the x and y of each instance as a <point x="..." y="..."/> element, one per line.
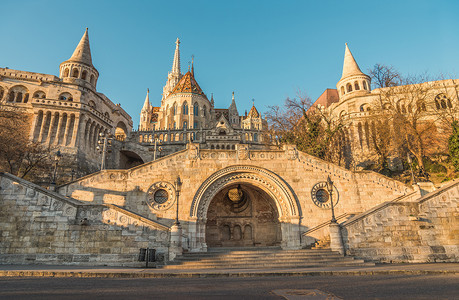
<point x="353" y="81"/>
<point x="78" y="69"/>
<point x="145" y="113"/>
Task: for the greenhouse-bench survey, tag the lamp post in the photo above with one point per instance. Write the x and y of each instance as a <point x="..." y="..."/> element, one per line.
<point x="157" y="141"/>
<point x="57" y="158"/>
<point x="330" y="192"/>
<point x="336" y="239"/>
<point x="105" y="141"/>
<point x="178" y="188"/>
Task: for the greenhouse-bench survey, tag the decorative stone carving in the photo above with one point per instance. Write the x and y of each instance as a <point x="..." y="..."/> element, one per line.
<point x="321" y="197"/>
<point x="243" y="151"/>
<point x="160" y="195"/>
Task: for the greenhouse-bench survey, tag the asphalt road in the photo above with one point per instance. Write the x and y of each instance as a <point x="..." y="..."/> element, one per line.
<point x="342" y="287"/>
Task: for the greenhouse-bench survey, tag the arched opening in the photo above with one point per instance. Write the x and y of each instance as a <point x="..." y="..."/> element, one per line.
<point x="365" y="85"/>
<point x="84" y="75"/>
<point x="92" y="79"/>
<point x="196" y="109"/>
<point x="342" y="91"/>
<point x="242" y="215"/>
<point x="66" y="72"/>
<point x="121" y="131"/>
<point x="75" y="73"/>
<point x="349" y="87"/>
<point x="356" y="86"/>
<point x="185" y="108"/>
<point x="129" y="159"/>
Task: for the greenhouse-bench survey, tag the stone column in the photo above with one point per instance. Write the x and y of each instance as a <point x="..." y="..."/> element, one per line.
<point x="76" y="125"/>
<point x="336" y="240"/>
<point x="43" y="126"/>
<point x="59" y="130"/>
<point x="175" y="246"/>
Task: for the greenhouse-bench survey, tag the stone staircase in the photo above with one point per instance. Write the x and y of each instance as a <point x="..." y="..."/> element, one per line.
<point x="322" y="244"/>
<point x="262" y="258"/>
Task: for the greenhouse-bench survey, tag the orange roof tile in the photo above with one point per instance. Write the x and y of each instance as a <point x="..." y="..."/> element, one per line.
<point x="188" y="85"/>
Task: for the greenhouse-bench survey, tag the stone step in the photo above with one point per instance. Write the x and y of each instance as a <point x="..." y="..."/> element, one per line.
<point x="272" y="256"/>
<point x="263" y="258"/>
<point x="262" y="265"/>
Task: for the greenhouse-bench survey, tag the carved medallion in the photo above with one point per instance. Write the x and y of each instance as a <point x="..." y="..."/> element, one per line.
<point x="321" y="197"/>
<point x="160" y="195"/>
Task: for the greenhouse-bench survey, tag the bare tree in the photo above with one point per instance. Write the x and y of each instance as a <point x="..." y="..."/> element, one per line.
<point x="384" y="76"/>
<point x="313" y="129"/>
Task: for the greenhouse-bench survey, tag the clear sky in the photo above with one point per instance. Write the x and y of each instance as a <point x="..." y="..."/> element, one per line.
<point x="262" y="50"/>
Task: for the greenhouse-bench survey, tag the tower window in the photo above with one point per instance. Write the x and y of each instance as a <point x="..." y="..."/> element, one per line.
<point x="356" y="86"/>
<point x="84" y="75"/>
<point x="75" y="73"/>
<point x="349" y="87"/>
<point x="196" y="109"/>
<point x="185" y="108"/>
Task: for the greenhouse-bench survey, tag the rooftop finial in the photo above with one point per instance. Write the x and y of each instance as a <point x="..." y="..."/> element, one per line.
<point x="176" y="63"/>
<point x="192" y="67"/>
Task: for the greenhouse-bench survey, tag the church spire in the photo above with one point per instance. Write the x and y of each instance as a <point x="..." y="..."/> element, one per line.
<point x="176" y="63"/>
<point x="82" y="53"/>
<point x="146" y="104"/>
<point x="350" y="66"/>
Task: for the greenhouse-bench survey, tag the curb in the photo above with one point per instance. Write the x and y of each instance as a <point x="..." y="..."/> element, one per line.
<point x="76" y="274"/>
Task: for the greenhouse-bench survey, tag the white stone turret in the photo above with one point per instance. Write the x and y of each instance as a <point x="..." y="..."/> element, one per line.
<point x="79" y="68"/>
<point x="175" y="74"/>
<point x="353" y="81"/>
<point x="145" y="114"/>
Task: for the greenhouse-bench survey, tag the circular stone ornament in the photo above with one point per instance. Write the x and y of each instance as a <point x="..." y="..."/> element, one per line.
<point x="161" y="195"/>
<point x="321" y="197"/>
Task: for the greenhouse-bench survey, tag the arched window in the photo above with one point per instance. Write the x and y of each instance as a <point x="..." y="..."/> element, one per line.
<point x="196" y="109"/>
<point x="92" y="79"/>
<point x="364" y="85"/>
<point x="403" y="108"/>
<point x="75" y="73"/>
<point x="185" y="125"/>
<point x="442" y="102"/>
<point x="39" y="94"/>
<point x="66" y="72"/>
<point x="84" y="75"/>
<point x="185" y="108"/>
<point x="363" y="107"/>
<point x="66" y="97"/>
<point x="342" y="91"/>
<point x="349" y="87"/>
<point x="356" y="86"/>
<point x="437" y="104"/>
<point x="174" y="109"/>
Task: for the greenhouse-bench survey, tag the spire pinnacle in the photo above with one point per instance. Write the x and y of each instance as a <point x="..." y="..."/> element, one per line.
<point x="146" y="104"/>
<point x="82" y="53"/>
<point x="192" y="66"/>
<point x="176" y="63"/>
<point x="350" y="66"/>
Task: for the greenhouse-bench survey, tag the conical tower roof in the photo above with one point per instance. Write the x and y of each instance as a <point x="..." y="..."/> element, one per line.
<point x="82" y="53"/>
<point x="146" y="104"/>
<point x="350" y="66"/>
<point x="233" y="104"/>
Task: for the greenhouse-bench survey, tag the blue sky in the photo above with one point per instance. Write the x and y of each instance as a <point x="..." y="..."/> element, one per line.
<point x="266" y="50"/>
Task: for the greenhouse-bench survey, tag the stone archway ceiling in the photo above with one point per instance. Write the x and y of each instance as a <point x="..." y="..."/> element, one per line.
<point x="188" y="85"/>
<point x="265" y="179"/>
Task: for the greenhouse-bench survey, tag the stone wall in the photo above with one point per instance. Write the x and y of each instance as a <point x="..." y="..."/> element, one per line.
<point x="408" y="230"/>
<point x="282" y="174"/>
<point x="42" y="227"/>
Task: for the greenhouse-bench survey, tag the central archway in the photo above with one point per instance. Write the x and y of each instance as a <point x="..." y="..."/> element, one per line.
<point x="257" y="181"/>
<point x="242" y="215"/>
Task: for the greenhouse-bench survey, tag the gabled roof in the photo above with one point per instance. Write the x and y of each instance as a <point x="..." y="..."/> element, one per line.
<point x="188" y="85"/>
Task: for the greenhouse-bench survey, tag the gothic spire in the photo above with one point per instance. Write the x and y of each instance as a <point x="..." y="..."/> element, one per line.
<point x="350" y="66"/>
<point x="176" y="63"/>
<point x="82" y="53"/>
<point x="146" y="104"/>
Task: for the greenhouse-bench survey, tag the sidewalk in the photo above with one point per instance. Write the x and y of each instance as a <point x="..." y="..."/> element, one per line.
<point x="120" y="272"/>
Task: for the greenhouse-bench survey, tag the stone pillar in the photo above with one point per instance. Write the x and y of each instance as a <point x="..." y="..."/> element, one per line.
<point x="175" y="246"/>
<point x="76" y="125"/>
<point x="59" y="130"/>
<point x="336" y="240"/>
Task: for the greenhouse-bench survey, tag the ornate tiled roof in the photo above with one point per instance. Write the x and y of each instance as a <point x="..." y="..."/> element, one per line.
<point x="154" y="114"/>
<point x="253" y="113"/>
<point x="188" y="85"/>
<point x="220" y="111"/>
